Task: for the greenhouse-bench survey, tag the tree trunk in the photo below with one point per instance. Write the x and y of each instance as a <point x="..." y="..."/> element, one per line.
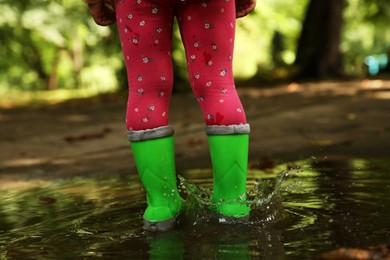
<point x="52" y="80"/>
<point x="318" y="53"/>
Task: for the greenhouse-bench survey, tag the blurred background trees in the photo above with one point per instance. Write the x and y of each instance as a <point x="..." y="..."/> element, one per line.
<point x="46" y="45"/>
<point x="318" y="52"/>
<point x="54" y="44"/>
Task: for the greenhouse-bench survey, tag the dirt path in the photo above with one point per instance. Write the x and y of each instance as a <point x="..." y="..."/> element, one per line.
<point x="291" y="122"/>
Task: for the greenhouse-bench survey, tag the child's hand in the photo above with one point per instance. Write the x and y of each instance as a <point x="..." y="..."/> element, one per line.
<point x="103" y="12"/>
<point x="244" y="7"/>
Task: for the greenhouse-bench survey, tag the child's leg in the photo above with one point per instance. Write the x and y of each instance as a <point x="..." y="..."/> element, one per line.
<point x="208" y="30"/>
<point x="145" y="31"/>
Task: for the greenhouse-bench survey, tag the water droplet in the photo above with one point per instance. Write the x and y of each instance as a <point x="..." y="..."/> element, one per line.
<point x="222" y="220"/>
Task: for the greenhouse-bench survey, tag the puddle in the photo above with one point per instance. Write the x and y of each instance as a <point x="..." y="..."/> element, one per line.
<point x="300" y="210"/>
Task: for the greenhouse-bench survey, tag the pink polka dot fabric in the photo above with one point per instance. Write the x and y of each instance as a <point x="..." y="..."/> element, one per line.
<point x="207" y="30"/>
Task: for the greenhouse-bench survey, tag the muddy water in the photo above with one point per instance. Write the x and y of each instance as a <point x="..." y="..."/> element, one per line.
<point x="300" y="210"/>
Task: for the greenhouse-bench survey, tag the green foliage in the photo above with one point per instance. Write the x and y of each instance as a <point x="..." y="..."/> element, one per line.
<point x="255" y="33"/>
<point x="366" y="32"/>
<point x="55" y="44"/>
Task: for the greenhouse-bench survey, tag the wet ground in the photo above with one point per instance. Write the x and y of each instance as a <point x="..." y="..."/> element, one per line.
<point x="319" y="157"/>
<point x="299" y="211"/>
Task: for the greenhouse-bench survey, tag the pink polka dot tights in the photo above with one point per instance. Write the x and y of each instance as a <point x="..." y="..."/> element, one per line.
<point x="207" y="29"/>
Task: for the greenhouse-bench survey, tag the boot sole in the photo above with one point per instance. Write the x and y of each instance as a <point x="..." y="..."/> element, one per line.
<point x="160" y="226"/>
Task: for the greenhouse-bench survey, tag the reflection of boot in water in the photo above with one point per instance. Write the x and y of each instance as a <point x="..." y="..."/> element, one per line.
<point x="233" y="251"/>
<point x="153" y="152"/>
<point x="166" y="246"/>
<point x="229" y="155"/>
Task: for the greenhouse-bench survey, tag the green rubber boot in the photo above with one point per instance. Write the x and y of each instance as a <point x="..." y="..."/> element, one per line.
<point x="229" y="156"/>
<point x="155" y="160"/>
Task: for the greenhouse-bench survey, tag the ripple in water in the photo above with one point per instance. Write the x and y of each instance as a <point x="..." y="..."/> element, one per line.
<point x="296" y="213"/>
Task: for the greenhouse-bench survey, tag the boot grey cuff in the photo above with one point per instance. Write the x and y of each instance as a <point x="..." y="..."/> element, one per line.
<point x="148" y="134"/>
<point x="228" y="129"/>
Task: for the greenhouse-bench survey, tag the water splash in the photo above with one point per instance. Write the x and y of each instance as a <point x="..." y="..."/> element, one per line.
<point x="264" y="191"/>
<point x="264" y="199"/>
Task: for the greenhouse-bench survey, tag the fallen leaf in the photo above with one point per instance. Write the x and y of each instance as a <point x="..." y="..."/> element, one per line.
<point x="193" y="142"/>
<point x="377" y="252"/>
<point x="88" y="136"/>
<point x="47" y="200"/>
<point x="323" y="142"/>
<point x="264" y="163"/>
